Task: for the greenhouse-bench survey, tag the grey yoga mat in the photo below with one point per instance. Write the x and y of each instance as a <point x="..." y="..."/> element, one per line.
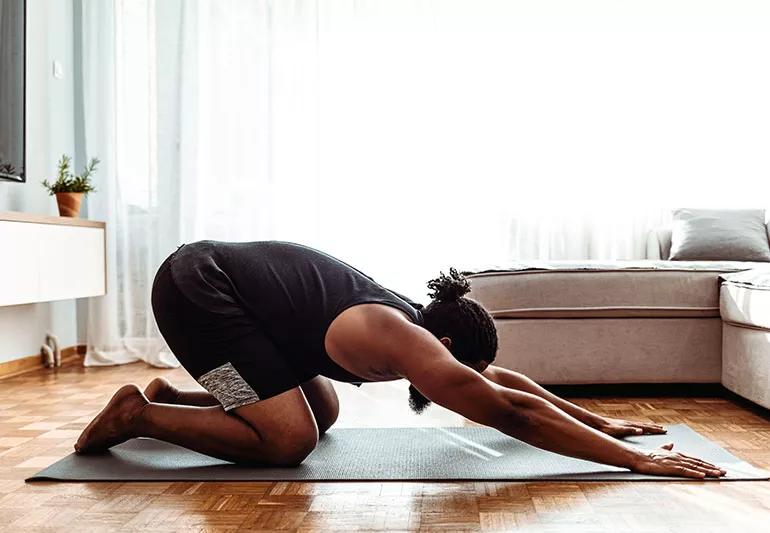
<point x="381" y="454"/>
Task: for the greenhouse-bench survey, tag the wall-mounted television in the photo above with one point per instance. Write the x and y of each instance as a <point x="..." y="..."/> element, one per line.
<point x="12" y="89"/>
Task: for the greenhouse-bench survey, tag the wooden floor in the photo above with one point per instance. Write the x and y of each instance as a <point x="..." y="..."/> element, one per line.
<point x="41" y="414"/>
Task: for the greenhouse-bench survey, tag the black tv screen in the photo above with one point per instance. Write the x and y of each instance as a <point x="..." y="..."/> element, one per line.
<point x="12" y="72"/>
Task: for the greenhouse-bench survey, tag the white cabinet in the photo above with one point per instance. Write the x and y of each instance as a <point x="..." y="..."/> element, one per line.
<point x="50" y="258"/>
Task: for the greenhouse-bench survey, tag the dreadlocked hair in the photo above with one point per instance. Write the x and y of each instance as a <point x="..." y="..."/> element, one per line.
<point x="463" y="320"/>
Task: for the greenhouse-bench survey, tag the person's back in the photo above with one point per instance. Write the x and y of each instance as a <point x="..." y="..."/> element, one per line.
<point x="293" y="291"/>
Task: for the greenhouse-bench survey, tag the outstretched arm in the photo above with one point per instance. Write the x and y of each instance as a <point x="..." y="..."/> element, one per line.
<point x="611" y="426"/>
<point x="528" y="417"/>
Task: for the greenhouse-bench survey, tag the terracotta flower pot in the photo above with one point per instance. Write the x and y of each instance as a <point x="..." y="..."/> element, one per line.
<point x="69" y="203"/>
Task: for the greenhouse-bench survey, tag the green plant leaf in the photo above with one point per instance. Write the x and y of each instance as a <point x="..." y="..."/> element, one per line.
<point x="66" y="181"/>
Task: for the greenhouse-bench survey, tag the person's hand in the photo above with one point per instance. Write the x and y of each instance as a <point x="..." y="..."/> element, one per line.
<point x="665" y="462"/>
<point x="616" y="427"/>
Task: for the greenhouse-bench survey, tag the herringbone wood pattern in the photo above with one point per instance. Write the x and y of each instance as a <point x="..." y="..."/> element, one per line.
<point x="41" y="414"/>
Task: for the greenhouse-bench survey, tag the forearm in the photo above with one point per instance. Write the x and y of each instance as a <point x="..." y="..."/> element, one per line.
<point x="535" y="420"/>
<point x="515" y="380"/>
<point x="539" y="423"/>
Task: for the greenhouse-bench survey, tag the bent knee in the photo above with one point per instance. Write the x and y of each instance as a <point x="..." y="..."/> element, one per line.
<point x="292" y="449"/>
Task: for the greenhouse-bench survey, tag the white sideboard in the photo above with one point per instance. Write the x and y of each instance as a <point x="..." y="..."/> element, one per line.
<point x="46" y="258"/>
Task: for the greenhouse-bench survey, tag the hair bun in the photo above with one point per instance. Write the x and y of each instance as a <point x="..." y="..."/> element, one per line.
<point x="449" y="288"/>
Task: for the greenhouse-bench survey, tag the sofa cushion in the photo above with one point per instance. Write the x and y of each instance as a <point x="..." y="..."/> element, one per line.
<point x="591" y="289"/>
<point x="659" y="242"/>
<point x="745" y="299"/>
<point x="719" y="234"/>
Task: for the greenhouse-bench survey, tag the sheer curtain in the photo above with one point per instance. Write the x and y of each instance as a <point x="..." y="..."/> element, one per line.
<point x="407" y="136"/>
<point x="117" y="128"/>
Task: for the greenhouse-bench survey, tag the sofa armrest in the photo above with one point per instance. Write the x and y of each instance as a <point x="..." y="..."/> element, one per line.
<point x="659" y="243"/>
<point x="653" y="246"/>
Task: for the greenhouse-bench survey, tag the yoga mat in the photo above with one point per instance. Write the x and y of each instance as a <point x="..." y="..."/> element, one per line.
<point x="381" y="454"/>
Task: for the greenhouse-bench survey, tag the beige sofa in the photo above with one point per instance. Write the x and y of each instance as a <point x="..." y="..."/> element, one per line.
<point x="650" y="321"/>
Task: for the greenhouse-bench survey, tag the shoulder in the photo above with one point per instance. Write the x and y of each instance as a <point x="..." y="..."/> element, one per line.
<point x="379" y="331"/>
<point x="364" y="323"/>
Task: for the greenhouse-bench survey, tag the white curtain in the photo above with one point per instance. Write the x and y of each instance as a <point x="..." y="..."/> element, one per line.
<point x="120" y="327"/>
<point x="407" y="136"/>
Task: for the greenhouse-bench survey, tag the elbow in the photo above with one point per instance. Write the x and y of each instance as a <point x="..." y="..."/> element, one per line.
<point x="527" y="414"/>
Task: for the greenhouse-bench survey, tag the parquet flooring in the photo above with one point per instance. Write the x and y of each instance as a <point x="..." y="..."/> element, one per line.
<point x="41" y="413"/>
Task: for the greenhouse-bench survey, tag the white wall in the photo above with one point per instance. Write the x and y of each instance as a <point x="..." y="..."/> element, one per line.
<point x="50" y="132"/>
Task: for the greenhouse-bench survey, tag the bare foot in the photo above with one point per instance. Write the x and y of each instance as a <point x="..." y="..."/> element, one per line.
<point x="160" y="390"/>
<point x="115" y="424"/>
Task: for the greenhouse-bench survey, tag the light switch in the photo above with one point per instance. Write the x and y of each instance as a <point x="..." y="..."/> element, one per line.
<point x="58" y="70"/>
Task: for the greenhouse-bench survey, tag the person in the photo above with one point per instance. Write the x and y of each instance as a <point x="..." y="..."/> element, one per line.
<point x="263" y="326"/>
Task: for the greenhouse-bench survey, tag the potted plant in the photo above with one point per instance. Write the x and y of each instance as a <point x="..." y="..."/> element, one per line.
<point x="69" y="188"/>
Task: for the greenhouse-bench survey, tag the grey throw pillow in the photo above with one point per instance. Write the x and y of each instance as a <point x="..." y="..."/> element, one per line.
<point x="719" y="235"/>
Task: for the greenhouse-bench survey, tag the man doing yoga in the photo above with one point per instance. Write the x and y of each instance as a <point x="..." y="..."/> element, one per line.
<point x="262" y="326"/>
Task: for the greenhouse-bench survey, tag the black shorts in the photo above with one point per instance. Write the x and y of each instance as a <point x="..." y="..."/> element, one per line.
<point x="227" y="352"/>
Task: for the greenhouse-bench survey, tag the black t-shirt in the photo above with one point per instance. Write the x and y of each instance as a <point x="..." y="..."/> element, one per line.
<point x="294" y="292"/>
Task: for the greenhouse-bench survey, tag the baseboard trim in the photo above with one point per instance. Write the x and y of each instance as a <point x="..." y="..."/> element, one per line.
<point x="22" y="365"/>
<point x="654" y="390"/>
